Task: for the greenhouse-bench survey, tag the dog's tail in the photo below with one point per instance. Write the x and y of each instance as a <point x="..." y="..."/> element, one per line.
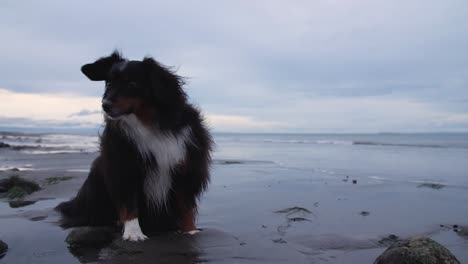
<point x="91" y="206"/>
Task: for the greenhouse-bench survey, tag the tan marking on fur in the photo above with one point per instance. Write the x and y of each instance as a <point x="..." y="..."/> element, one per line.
<point x="188" y="216"/>
<point x="125" y="216"/>
<point x="125" y="104"/>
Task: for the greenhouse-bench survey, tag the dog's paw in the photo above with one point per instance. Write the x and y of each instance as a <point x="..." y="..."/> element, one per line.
<point x="192" y="232"/>
<point x="134" y="236"/>
<point x="132" y="231"/>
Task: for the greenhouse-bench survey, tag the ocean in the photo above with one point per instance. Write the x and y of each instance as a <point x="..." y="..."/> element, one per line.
<point x="437" y="158"/>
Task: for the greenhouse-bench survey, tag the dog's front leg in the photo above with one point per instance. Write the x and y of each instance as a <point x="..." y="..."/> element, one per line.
<point x="131" y="226"/>
<point x="187" y="211"/>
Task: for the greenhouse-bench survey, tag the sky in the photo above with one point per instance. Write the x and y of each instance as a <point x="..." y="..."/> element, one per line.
<point x="361" y="66"/>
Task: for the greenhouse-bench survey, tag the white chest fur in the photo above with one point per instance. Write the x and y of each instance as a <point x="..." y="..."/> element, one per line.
<point x="168" y="149"/>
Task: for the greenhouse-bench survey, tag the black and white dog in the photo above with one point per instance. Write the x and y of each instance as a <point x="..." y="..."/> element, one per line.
<point x="154" y="153"/>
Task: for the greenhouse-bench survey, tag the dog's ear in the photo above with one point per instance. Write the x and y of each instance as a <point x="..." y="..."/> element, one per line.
<point x="166" y="86"/>
<point x="99" y="70"/>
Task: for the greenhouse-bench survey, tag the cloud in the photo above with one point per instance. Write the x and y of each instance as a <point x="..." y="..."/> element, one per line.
<point x="19" y="109"/>
<point x="258" y="59"/>
<point x="288" y="113"/>
<point x="239" y="123"/>
<point x="85" y="112"/>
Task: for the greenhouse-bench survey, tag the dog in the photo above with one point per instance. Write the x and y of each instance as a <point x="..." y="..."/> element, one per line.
<point x="155" y="153"/>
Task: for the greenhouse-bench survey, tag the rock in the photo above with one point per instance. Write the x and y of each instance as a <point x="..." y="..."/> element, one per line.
<point x="55" y="180"/>
<point x="417" y="250"/>
<point x="15" y="193"/>
<point x="279" y="241"/>
<point x="4" y="145"/>
<point x="364" y="213"/>
<point x="354" y="181"/>
<point x="462" y="231"/>
<point x="90" y="236"/>
<point x="3" y="248"/>
<point x="20" y="203"/>
<point x="17" y="187"/>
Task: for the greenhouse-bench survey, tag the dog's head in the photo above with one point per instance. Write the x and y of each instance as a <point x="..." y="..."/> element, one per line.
<point x="135" y="87"/>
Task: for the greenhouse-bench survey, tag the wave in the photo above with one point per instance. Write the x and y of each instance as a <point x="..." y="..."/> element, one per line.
<point x="371" y="143"/>
<point x="305" y="141"/>
<point x="335" y="142"/>
<point x="49" y="143"/>
<point x="362" y="142"/>
<point x="240" y="161"/>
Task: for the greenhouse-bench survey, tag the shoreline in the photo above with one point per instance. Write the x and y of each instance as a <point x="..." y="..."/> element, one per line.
<point x="245" y="219"/>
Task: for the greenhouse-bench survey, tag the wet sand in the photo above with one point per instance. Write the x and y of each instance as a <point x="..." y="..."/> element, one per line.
<point x="254" y="212"/>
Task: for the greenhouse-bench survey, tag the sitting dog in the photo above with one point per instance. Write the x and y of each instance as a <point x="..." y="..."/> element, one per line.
<point x="155" y="153"/>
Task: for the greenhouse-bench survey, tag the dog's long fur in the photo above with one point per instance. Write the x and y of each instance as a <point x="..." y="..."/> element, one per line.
<point x="154" y="152"/>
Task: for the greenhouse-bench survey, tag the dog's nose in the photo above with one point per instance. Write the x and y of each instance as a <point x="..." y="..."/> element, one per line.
<point x="106" y="105"/>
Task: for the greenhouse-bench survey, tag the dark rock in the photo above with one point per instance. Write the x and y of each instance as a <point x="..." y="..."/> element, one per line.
<point x="279" y="241"/>
<point x="463" y="231"/>
<point x="16" y="187"/>
<point x="4" y="145"/>
<point x="291" y="210"/>
<point x="364" y="213"/>
<point x="14" y="169"/>
<point x="15" y="193"/>
<point x="90" y="236"/>
<point x="38" y="218"/>
<point x="354" y="181"/>
<point x="20" y="203"/>
<point x="417" y="250"/>
<point x="16" y="180"/>
<point x="3" y="248"/>
<point x="55" y="180"/>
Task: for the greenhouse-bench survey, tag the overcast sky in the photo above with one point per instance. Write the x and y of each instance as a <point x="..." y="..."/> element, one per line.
<point x="252" y="66"/>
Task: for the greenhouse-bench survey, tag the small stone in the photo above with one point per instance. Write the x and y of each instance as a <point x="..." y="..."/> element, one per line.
<point x="463" y="231"/>
<point x="354" y="181"/>
<point x="20" y="203"/>
<point x="364" y="213"/>
<point x="90" y="236"/>
<point x="38" y="218"/>
<point x="417" y="250"/>
<point x="279" y="241"/>
<point x="389" y="240"/>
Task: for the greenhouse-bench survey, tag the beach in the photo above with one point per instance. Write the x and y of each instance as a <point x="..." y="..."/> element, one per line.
<point x="273" y="198"/>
